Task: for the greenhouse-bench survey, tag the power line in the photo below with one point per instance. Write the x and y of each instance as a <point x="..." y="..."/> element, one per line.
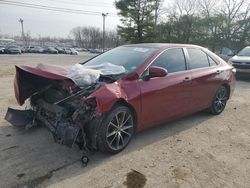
<point x="84" y="3"/>
<point x="47" y="7"/>
<point x="93" y="2"/>
<point x="51" y="8"/>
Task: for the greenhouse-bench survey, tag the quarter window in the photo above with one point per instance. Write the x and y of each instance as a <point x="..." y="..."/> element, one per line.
<point x="197" y="58"/>
<point x="172" y="59"/>
<point x="211" y="61"/>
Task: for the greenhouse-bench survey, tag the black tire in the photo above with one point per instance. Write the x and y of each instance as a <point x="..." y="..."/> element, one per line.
<point x="220" y="100"/>
<point x="114" y="136"/>
<point x="85" y="160"/>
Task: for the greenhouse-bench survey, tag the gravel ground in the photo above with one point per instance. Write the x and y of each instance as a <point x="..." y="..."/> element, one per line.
<point x="197" y="151"/>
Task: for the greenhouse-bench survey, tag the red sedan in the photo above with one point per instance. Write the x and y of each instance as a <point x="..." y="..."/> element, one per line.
<point x="101" y="103"/>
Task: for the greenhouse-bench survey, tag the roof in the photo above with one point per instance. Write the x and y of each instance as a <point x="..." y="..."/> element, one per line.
<point x="161" y="45"/>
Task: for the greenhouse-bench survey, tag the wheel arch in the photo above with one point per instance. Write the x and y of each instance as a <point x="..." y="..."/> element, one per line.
<point x="95" y="125"/>
<point x="227" y="86"/>
<point x="123" y="102"/>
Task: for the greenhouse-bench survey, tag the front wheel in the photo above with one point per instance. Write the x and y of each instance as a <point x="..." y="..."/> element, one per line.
<point x="220" y="101"/>
<point x="116" y="130"/>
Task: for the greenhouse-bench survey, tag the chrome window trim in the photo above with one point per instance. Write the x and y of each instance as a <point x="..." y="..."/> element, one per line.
<point x="186" y="65"/>
<point x="211" y="54"/>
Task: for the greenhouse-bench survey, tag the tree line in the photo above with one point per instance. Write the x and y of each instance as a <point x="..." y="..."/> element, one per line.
<point x="92" y="37"/>
<point x="210" y="23"/>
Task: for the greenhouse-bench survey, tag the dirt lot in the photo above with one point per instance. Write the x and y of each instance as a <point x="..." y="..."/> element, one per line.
<point x="197" y="151"/>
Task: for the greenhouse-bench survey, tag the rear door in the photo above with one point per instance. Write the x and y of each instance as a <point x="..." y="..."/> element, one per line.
<point x="205" y="79"/>
<point x="164" y="98"/>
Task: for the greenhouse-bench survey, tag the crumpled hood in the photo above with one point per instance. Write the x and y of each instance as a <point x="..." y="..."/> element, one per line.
<point x="29" y="80"/>
<point x="47" y="71"/>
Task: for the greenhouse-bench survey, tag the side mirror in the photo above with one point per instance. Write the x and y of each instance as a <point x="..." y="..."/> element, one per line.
<point x="153" y="72"/>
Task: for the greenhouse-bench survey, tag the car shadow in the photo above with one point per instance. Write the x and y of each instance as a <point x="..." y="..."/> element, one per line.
<point x="32" y="157"/>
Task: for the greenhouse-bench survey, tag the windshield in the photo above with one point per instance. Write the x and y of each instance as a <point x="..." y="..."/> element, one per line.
<point x="244" y="52"/>
<point x="130" y="57"/>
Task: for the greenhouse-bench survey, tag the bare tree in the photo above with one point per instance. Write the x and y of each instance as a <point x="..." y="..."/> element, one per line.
<point x="91" y="37"/>
<point x="208" y="7"/>
<point x="77" y="34"/>
<point x="157" y="10"/>
<point x="233" y="11"/>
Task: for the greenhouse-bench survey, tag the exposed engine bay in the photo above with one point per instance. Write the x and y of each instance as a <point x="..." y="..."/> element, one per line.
<point x="65" y="111"/>
<point x="64" y="108"/>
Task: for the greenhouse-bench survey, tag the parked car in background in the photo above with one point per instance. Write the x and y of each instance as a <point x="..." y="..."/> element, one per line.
<point x="13" y="50"/>
<point x="37" y="49"/>
<point x="2" y="50"/>
<point x="226" y="53"/>
<point x="29" y="49"/>
<point x="241" y="61"/>
<point x="81" y="49"/>
<point x="95" y="50"/>
<point x="60" y="50"/>
<point x="50" y="50"/>
<point x="101" y="103"/>
<point x="71" y="51"/>
<point x="67" y="50"/>
<point x="23" y="49"/>
<point x="74" y="51"/>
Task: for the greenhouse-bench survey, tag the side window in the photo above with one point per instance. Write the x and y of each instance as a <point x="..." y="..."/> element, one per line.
<point x="211" y="61"/>
<point x="172" y="59"/>
<point x="197" y="58"/>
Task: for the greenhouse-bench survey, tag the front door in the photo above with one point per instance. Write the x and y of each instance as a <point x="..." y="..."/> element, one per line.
<point x="168" y="97"/>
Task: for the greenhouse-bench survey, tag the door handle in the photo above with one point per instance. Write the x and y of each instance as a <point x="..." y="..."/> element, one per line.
<point x="218" y="71"/>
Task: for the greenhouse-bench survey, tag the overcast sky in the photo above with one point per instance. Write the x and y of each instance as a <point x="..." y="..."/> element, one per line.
<point x="58" y="24"/>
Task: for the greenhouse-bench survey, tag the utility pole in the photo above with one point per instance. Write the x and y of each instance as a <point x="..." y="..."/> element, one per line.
<point x="21" y="21"/>
<point x="103" y="31"/>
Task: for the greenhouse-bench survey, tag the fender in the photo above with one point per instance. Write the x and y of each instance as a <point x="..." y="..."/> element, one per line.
<point x="109" y="94"/>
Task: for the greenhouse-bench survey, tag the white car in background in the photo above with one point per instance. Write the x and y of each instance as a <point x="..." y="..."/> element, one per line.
<point x="241" y="61"/>
<point x="71" y="51"/>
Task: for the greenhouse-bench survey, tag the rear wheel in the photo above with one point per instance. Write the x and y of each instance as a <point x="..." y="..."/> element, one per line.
<point x="220" y="101"/>
<point x="116" y="130"/>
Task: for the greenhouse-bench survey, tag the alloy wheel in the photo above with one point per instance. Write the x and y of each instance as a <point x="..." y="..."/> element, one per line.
<point x="220" y="100"/>
<point x="120" y="130"/>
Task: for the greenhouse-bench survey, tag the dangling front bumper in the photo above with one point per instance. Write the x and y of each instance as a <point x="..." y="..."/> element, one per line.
<point x="19" y="118"/>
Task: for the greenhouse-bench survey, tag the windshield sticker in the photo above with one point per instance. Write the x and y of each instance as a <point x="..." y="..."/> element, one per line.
<point x="141" y="49"/>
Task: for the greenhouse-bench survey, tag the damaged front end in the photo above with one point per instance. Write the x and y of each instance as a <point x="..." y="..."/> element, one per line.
<point x="66" y="110"/>
<point x="66" y="114"/>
